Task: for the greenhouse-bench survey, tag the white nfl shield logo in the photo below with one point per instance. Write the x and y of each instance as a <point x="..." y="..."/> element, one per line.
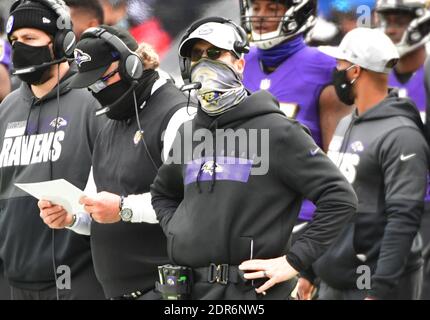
<point x="9" y="24"/>
<point x="265" y="84"/>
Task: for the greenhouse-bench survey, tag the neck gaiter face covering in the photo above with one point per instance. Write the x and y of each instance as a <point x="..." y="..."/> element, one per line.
<point x="274" y="57"/>
<point x="222" y="86"/>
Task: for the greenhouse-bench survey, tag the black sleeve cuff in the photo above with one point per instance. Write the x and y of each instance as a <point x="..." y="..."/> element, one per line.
<point x="295" y="262"/>
<point x="309" y="275"/>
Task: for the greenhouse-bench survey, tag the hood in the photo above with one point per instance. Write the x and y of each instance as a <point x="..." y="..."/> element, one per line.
<point x="28" y="95"/>
<point x="393" y="106"/>
<point x="256" y="104"/>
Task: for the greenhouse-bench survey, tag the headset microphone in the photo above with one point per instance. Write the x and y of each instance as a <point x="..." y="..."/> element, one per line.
<point x="30" y="69"/>
<point x="102" y="111"/>
<point x="191" y="86"/>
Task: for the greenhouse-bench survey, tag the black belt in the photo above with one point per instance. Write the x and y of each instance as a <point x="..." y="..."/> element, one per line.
<point x="222" y="274"/>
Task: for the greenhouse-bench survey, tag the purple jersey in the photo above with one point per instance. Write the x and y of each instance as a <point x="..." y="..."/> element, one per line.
<point x="415" y="90"/>
<point x="5" y="53"/>
<point x="297" y="84"/>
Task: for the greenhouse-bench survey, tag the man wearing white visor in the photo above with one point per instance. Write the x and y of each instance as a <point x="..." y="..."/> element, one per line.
<point x="381" y="150"/>
<point x="228" y="219"/>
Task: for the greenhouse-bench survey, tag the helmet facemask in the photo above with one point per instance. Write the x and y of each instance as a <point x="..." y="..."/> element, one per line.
<point x="294" y="17"/>
<point x="417" y="33"/>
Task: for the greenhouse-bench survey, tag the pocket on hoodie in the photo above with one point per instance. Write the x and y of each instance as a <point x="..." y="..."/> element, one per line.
<point x="243" y="248"/>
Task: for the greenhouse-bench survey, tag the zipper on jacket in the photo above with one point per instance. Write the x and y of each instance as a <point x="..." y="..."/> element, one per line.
<point x="345" y="141"/>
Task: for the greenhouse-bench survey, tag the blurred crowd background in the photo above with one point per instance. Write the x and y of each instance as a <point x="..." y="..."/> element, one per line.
<point x="162" y="22"/>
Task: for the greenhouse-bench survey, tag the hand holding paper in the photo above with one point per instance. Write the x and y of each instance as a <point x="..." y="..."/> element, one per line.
<point x="103" y="207"/>
<point x="58" y="192"/>
<point x="55" y="216"/>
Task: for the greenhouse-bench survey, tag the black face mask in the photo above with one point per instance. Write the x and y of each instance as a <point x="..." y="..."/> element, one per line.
<point x="24" y="56"/>
<point x="119" y="96"/>
<point x="343" y="86"/>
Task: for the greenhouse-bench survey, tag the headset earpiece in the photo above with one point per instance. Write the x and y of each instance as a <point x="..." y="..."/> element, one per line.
<point x="65" y="39"/>
<point x="64" y="44"/>
<point x="241" y="46"/>
<point x="185" y="67"/>
<point x="131" y="67"/>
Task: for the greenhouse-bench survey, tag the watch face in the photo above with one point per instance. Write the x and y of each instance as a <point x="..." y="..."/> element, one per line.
<point x="126" y="214"/>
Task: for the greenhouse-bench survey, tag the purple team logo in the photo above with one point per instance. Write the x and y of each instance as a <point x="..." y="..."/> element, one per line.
<point x="357" y="146"/>
<point x="225" y="168"/>
<point x="58" y="123"/>
<point x="81" y="57"/>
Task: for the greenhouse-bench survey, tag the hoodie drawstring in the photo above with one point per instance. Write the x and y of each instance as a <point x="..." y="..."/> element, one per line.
<point x="199" y="188"/>
<point x="214" y="165"/>
<point x="33" y="100"/>
<point x="345" y="142"/>
<point x="38" y="120"/>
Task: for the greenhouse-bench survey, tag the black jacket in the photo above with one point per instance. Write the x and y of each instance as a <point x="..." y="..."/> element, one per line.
<point x="27" y="130"/>
<point x="218" y="216"/>
<point x="126" y="255"/>
<point x="384" y="155"/>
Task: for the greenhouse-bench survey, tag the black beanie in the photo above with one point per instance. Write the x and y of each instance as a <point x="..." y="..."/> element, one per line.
<point x="32" y="15"/>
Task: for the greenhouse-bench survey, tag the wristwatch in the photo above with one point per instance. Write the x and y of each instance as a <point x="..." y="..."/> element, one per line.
<point x="125" y="213"/>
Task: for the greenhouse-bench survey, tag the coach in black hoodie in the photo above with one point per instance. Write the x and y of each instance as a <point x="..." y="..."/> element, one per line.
<point x="382" y="151"/>
<point x="47" y="131"/>
<point x="127" y="242"/>
<point x="228" y="205"/>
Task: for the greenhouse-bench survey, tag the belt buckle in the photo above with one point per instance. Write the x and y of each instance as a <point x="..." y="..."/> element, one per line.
<point x="222" y="274"/>
<point x="212" y="273"/>
<point x="218" y="273"/>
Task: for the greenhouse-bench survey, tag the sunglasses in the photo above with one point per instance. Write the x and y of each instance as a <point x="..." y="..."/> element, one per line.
<point x="212" y="53"/>
<point x="101" y="84"/>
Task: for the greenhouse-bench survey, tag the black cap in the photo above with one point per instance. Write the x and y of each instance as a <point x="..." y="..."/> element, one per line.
<point x="32" y="15"/>
<point x="93" y="56"/>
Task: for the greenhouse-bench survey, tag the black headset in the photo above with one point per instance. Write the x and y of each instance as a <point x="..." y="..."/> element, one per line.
<point x="131" y="67"/>
<point x="239" y="47"/>
<point x="65" y="39"/>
